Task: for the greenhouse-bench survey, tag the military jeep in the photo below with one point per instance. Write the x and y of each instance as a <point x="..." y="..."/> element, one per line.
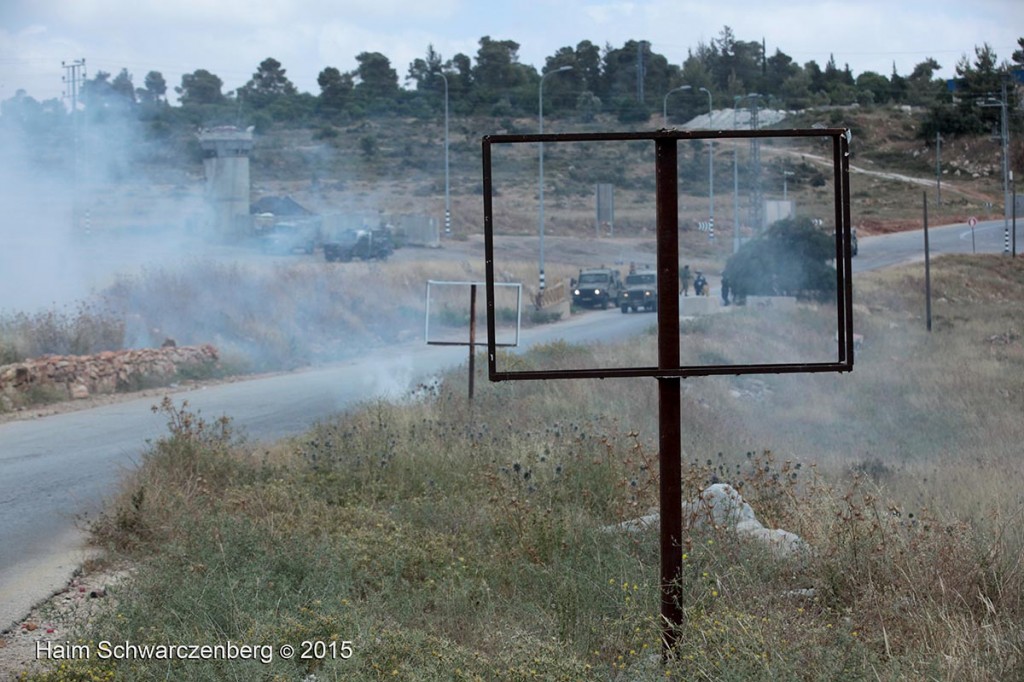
<point x="362" y="244"/>
<point x="597" y="288"/>
<point x="641" y="292"/>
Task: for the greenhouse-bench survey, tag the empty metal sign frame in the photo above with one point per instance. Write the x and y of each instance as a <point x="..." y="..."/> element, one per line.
<point x="669" y="369"/>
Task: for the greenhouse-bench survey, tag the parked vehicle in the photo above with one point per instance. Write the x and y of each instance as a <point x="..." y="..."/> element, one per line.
<point x="597" y="288"/>
<point x="641" y="292"/>
<point x="287" y="238"/>
<point x="363" y="244"/>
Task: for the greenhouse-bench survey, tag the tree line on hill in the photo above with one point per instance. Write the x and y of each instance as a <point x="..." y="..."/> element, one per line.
<point x="631" y="83"/>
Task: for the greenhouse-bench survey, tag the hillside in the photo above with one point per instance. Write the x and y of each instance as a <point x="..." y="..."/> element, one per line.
<point x="397" y="165"/>
<point x="405" y="172"/>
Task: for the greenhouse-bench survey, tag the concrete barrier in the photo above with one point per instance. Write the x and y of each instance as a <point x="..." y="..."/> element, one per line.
<point x="699" y="305"/>
<point x="786" y="303"/>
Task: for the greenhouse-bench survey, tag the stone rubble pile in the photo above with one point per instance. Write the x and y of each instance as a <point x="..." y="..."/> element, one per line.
<point x="721" y="506"/>
<point x="79" y="376"/>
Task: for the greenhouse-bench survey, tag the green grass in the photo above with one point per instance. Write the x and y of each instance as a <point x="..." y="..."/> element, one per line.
<point x="453" y="542"/>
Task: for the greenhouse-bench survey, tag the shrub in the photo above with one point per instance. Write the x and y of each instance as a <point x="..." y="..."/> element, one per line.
<point x="791" y="257"/>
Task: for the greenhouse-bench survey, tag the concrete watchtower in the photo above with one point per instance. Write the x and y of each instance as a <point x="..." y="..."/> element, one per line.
<point x="226" y="165"/>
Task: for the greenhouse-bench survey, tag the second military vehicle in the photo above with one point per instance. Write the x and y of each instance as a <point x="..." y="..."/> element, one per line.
<point x="362" y="244"/>
<point x="641" y="292"/>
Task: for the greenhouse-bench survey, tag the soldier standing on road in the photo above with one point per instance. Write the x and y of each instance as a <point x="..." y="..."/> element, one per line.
<point x="684" y="280"/>
<point x="725" y="290"/>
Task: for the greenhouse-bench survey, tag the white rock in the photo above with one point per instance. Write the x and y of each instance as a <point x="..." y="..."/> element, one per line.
<point x="720" y="506"/>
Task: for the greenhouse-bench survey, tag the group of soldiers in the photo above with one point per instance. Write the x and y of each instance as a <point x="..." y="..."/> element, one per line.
<point x="700" y="284"/>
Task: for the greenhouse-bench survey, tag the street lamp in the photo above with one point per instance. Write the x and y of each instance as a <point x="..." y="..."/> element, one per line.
<point x="785" y="174"/>
<point x="1004" y="139"/>
<point x="540" y="182"/>
<point x="447" y="183"/>
<point x="711" y="164"/>
<point x="664" y="103"/>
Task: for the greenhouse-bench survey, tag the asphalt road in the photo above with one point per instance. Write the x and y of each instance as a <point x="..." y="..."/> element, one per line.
<point x="54" y="470"/>
<point x="902" y="247"/>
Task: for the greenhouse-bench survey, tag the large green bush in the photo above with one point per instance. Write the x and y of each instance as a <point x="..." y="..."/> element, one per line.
<point x="791" y="258"/>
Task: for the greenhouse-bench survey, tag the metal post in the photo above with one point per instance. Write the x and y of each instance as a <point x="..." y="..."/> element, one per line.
<point x="669" y="429"/>
<point x="447" y="183"/>
<point x="75" y="76"/>
<point x="540" y="185"/>
<point x="735" y="184"/>
<point x="711" y="164"/>
<point x="736" y="173"/>
<point x="1013" y="187"/>
<point x="927" y="268"/>
<point x="472" y="338"/>
<point x="1005" y="135"/>
<point x="756" y="196"/>
<point x="938" y="169"/>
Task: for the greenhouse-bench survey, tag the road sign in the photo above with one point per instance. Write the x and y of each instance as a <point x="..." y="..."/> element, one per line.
<point x="972" y="221"/>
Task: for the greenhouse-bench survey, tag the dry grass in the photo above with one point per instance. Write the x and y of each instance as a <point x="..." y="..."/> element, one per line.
<point x="455" y="543"/>
<point x="86" y="329"/>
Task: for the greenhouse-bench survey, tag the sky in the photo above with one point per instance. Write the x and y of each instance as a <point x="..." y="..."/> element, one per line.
<point x="231" y="37"/>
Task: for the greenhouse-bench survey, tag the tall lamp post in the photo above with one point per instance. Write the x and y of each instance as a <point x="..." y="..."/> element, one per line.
<point x="711" y="164"/>
<point x="1004" y="137"/>
<point x="447" y="183"/>
<point x="540" y="185"/>
<point x="664" y="104"/>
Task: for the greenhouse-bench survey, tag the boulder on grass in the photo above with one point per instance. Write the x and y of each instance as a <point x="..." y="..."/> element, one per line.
<point x="720" y="506"/>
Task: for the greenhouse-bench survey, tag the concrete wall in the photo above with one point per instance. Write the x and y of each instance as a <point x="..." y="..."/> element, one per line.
<point x="699" y="305"/>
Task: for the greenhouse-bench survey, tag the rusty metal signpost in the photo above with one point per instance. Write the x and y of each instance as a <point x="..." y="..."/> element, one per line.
<point x="669" y="370"/>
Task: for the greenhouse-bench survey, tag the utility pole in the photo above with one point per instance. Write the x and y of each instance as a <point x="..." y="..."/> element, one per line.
<point x="540" y="174"/>
<point x="938" y="168"/>
<point x="447" y="181"/>
<point x="1004" y="140"/>
<point x="1004" y="133"/>
<point x="641" y="70"/>
<point x="927" y="267"/>
<point x="757" y="194"/>
<point x="73" y="79"/>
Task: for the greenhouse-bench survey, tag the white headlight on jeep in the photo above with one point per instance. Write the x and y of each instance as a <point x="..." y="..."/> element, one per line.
<point x="576" y="292"/>
<point x="597" y="292"/>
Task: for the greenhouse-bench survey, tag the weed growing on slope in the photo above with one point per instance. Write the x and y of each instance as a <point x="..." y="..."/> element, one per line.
<point x="456" y="541"/>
